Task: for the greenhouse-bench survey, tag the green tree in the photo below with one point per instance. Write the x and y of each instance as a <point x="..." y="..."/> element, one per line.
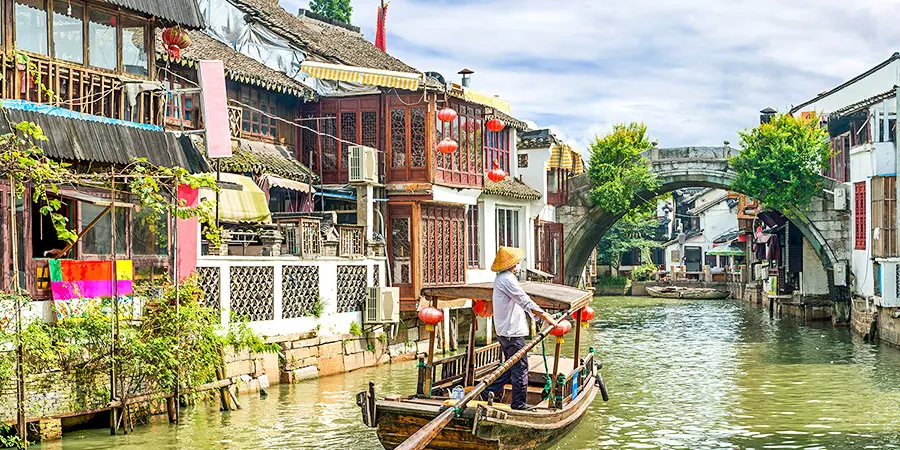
<point x="635" y="230"/>
<point x="333" y="9"/>
<point x="617" y="168"/>
<point x="781" y="161"/>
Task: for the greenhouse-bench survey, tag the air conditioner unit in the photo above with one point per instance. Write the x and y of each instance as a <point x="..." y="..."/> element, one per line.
<point x="363" y="164"/>
<point x="382" y="305"/>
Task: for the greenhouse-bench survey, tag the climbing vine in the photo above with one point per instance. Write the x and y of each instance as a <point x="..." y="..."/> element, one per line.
<point x="781" y="162"/>
<point x="618" y="169"/>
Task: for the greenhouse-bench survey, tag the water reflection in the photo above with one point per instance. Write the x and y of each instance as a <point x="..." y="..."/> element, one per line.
<point x="693" y="375"/>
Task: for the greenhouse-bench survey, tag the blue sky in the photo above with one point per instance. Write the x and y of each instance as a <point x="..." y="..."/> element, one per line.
<point x="695" y="71"/>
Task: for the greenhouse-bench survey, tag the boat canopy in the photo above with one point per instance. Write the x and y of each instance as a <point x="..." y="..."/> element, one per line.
<point x="546" y="295"/>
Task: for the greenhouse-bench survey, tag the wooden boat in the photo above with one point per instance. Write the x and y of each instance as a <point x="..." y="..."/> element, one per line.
<point x="492" y="424"/>
<point x="687" y="292"/>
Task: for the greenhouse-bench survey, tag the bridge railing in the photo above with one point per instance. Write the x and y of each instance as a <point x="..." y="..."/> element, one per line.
<point x="690" y="153"/>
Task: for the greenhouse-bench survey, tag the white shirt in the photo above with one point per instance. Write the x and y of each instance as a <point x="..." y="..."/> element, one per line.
<point x="511" y="304"/>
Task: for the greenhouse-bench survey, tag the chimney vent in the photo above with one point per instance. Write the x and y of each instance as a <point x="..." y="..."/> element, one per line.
<point x="466" y="77"/>
<point x="765" y="116"/>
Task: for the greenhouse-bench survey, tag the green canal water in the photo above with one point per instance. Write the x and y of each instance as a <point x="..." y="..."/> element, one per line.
<point x="681" y="374"/>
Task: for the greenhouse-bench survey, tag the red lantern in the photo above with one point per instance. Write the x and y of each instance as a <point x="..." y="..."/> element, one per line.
<point x="431" y="316"/>
<point x="482" y="308"/>
<point x="446" y="114"/>
<point x="447" y="146"/>
<point x="175" y="39"/>
<point x="561" y="330"/>
<point x="497" y="174"/>
<point x="495" y="125"/>
<point x="586" y="314"/>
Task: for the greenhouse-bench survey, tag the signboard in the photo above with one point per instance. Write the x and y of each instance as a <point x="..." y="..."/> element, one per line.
<point x="215" y="109"/>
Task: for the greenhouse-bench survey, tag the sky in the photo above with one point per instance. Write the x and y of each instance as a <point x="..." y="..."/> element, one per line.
<point x="695" y="71"/>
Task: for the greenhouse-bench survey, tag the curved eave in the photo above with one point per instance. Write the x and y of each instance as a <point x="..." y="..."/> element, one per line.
<point x="240" y="77"/>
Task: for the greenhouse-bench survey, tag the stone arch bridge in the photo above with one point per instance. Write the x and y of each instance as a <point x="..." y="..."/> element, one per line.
<point x="827" y="229"/>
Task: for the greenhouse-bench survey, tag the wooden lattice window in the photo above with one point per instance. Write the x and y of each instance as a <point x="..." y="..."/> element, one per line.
<point x="407" y="135"/>
<point x="352" y="240"/>
<point x="444" y="245"/>
<point x="884" y="217"/>
<point x="496" y="149"/>
<point x="860" y="215"/>
<point x="181" y="109"/>
<point x="839" y="167"/>
<point x="473" y="253"/>
<point x="259" y="121"/>
<point x="353" y="120"/>
<point x="310" y="237"/>
<point x="400" y="244"/>
<point x="465" y="166"/>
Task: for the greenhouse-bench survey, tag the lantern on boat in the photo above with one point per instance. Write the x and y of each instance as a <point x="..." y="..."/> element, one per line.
<point x="496" y="174"/>
<point x="482" y="308"/>
<point x="446" y="114"/>
<point x="447" y="146"/>
<point x="586" y="314"/>
<point x="175" y="39"/>
<point x="495" y="125"/>
<point x="431" y="316"/>
<point x="561" y="330"/>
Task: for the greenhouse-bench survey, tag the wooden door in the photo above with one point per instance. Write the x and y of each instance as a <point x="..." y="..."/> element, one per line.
<point x="693" y="259"/>
<point x="549" y="250"/>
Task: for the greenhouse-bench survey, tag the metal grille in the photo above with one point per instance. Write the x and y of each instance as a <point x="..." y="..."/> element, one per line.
<point x="310" y="150"/>
<point x="208" y="278"/>
<point x="417" y="138"/>
<point x="376" y="276"/>
<point x="300" y="290"/>
<point x="398" y="138"/>
<point x="351" y="295"/>
<point x="400" y="249"/>
<point x="253" y="292"/>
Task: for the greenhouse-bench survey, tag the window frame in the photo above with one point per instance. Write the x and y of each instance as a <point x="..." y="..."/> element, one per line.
<point x="497" y="147"/>
<point x="473" y="244"/>
<point x="884" y="213"/>
<point x="516" y="237"/>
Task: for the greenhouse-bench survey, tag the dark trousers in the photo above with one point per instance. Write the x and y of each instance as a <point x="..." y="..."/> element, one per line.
<point x="517" y="375"/>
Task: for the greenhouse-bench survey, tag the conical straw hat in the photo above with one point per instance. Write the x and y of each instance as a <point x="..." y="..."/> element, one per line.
<point x="507" y="258"/>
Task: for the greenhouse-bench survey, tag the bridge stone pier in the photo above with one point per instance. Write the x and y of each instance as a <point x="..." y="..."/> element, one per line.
<point x="826" y="228"/>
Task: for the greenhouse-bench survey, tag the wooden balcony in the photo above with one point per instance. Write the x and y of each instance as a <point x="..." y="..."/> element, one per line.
<point x="78" y="88"/>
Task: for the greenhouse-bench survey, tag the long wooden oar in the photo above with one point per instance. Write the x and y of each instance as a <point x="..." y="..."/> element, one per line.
<point x="421" y="438"/>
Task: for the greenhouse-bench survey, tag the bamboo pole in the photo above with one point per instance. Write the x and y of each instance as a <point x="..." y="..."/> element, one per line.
<point x="114" y="328"/>
<point x="421" y="438"/>
<point x="174" y="416"/>
<point x="470" y="354"/>
<point x="577" y="317"/>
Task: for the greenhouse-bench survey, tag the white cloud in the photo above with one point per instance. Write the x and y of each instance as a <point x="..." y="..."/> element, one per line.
<point x="695" y="71"/>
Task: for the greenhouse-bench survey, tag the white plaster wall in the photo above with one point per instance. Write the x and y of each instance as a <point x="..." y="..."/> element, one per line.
<point x="876" y="83"/>
<point x="535" y="175"/>
<point x="445" y="194"/>
<point x="862" y="167"/>
<point x="329" y="324"/>
<point x="813" y="279"/>
<point x="488" y="234"/>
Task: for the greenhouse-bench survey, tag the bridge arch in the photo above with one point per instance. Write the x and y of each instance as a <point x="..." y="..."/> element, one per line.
<point x="825" y="228"/>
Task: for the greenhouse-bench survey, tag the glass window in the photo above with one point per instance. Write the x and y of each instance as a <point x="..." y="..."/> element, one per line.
<point x="149" y="233"/>
<point x="103" y="40"/>
<point x="98" y="239"/>
<point x="31" y="26"/>
<point x="134" y="48"/>
<point x="68" y="31"/>
<point x="508" y="228"/>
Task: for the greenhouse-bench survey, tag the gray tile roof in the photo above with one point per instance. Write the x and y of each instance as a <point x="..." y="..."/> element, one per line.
<point x="172" y="12"/>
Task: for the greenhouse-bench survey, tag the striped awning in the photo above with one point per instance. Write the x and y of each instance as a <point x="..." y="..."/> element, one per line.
<point x="362" y="75"/>
<point x="563" y="157"/>
<point x="485" y="99"/>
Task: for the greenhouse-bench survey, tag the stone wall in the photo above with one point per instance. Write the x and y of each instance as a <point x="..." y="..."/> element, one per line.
<point x="56" y="393"/>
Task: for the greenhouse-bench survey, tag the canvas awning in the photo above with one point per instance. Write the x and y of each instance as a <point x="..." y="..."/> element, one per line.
<point x="91" y="199"/>
<point x="484" y="99"/>
<point x="247" y="204"/>
<point x="284" y="183"/>
<point x="563" y="157"/>
<point x="374" y="77"/>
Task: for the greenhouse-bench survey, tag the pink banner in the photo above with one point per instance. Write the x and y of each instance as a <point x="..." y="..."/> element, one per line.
<point x="188" y="233"/>
<point x="215" y="109"/>
<point x="67" y="290"/>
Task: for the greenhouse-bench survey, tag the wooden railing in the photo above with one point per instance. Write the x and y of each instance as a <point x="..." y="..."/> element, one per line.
<point x="564" y="385"/>
<point x="78" y="88"/>
<point x="353" y="240"/>
<point x="453" y="369"/>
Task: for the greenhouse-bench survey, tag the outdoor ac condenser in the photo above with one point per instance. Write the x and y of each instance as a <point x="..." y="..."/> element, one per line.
<point x="363" y="164"/>
<point x="382" y="305"/>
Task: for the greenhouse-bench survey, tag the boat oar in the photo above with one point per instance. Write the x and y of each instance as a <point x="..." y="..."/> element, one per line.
<point x="421" y="438"/>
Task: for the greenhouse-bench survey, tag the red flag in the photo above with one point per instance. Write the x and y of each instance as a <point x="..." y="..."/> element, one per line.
<point x="380" y="32"/>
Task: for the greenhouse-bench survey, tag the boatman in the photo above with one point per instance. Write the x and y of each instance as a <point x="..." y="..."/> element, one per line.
<point x="511" y="304"/>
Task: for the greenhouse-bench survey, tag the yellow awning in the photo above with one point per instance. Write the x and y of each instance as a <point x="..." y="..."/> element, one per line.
<point x="485" y="99"/>
<point x="363" y="75"/>
<point x="563" y="157"/>
<point x="248" y="204"/>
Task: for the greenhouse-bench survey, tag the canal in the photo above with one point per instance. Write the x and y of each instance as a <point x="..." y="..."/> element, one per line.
<point x="681" y="374"/>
